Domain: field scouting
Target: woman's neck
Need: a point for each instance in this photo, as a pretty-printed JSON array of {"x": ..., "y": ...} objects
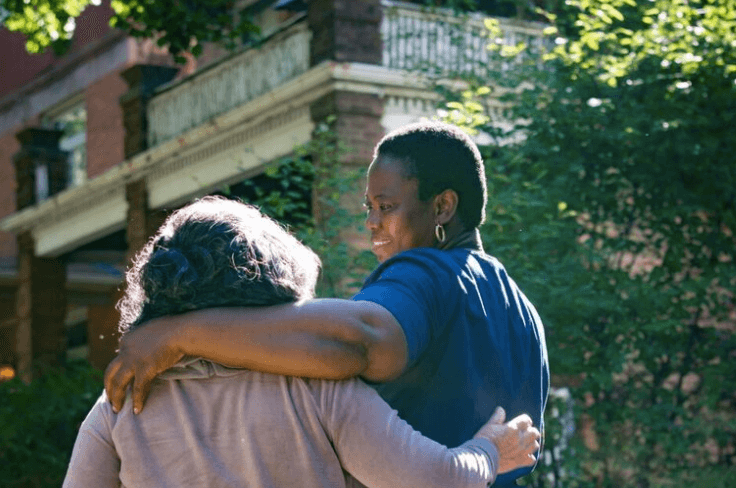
[{"x": 469, "y": 239}]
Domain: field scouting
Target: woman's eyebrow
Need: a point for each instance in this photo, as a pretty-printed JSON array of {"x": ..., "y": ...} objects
[{"x": 375, "y": 197}]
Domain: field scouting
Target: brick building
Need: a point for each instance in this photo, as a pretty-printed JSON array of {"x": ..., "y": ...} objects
[{"x": 96, "y": 145}]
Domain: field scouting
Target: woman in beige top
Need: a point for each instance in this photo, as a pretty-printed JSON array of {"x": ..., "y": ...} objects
[{"x": 209, "y": 425}]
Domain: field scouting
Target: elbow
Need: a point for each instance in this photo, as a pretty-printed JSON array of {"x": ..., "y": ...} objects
[
  {"x": 340, "y": 357},
  {"x": 380, "y": 341},
  {"x": 370, "y": 344},
  {"x": 354, "y": 361},
  {"x": 356, "y": 341}
]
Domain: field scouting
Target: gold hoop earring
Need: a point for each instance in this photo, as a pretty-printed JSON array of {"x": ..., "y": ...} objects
[{"x": 439, "y": 232}]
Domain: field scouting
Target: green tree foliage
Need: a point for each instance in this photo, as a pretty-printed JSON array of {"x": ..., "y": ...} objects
[
  {"x": 181, "y": 25},
  {"x": 614, "y": 205}
]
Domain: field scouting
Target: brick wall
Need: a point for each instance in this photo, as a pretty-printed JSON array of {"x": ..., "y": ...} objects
[
  {"x": 345, "y": 30},
  {"x": 358, "y": 123},
  {"x": 104, "y": 124}
]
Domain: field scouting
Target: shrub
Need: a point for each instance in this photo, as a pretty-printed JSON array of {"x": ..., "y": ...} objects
[{"x": 39, "y": 423}]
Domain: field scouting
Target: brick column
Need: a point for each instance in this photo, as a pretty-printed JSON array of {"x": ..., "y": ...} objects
[
  {"x": 40, "y": 307},
  {"x": 345, "y": 30},
  {"x": 143, "y": 222},
  {"x": 348, "y": 31},
  {"x": 40, "y": 339},
  {"x": 142, "y": 80},
  {"x": 357, "y": 127},
  {"x": 39, "y": 149},
  {"x": 357, "y": 122}
]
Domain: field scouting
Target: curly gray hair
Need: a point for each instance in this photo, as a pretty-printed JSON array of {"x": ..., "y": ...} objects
[{"x": 216, "y": 252}]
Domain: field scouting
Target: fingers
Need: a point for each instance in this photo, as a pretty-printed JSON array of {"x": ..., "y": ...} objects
[
  {"x": 531, "y": 447},
  {"x": 499, "y": 416},
  {"x": 141, "y": 388},
  {"x": 522, "y": 422},
  {"x": 117, "y": 379}
]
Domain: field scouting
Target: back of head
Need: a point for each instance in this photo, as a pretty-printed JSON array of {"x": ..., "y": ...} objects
[
  {"x": 441, "y": 157},
  {"x": 216, "y": 253}
]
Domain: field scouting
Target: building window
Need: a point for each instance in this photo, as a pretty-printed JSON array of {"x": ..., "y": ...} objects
[{"x": 71, "y": 118}]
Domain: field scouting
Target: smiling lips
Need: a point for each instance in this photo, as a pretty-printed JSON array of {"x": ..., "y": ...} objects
[{"x": 379, "y": 243}]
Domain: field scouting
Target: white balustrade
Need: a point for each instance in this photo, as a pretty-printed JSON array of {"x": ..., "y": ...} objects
[
  {"x": 441, "y": 43},
  {"x": 437, "y": 42},
  {"x": 228, "y": 84}
]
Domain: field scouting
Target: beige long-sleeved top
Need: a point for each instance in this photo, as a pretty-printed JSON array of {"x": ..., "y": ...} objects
[{"x": 206, "y": 425}]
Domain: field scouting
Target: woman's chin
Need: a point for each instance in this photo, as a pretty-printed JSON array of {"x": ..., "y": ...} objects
[{"x": 380, "y": 253}]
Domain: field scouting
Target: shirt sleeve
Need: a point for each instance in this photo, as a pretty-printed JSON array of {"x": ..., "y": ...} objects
[
  {"x": 381, "y": 450},
  {"x": 413, "y": 287},
  {"x": 94, "y": 461}
]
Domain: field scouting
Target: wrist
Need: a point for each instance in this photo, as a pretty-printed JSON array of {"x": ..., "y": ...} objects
[{"x": 176, "y": 337}]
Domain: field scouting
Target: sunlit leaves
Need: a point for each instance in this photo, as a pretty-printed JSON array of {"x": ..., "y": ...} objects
[
  {"x": 180, "y": 25},
  {"x": 470, "y": 111},
  {"x": 621, "y": 35},
  {"x": 44, "y": 22}
]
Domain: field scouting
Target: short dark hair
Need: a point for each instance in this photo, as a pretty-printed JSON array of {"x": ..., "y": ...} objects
[
  {"x": 216, "y": 252},
  {"x": 441, "y": 157}
]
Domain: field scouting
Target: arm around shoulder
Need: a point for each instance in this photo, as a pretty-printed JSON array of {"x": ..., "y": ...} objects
[{"x": 323, "y": 338}]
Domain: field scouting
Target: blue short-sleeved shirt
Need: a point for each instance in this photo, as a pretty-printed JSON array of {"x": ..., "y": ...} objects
[{"x": 475, "y": 342}]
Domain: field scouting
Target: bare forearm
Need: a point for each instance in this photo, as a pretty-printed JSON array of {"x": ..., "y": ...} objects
[
  {"x": 288, "y": 339},
  {"x": 330, "y": 339},
  {"x": 326, "y": 338}
]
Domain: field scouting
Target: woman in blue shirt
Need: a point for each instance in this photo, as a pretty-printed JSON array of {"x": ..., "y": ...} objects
[{"x": 439, "y": 327}]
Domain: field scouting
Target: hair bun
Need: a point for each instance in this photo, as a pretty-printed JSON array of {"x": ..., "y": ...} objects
[{"x": 169, "y": 274}]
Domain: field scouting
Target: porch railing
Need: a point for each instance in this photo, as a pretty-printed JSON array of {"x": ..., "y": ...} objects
[
  {"x": 439, "y": 42},
  {"x": 229, "y": 84}
]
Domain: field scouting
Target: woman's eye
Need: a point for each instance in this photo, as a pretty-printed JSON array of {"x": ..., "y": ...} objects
[{"x": 383, "y": 207}]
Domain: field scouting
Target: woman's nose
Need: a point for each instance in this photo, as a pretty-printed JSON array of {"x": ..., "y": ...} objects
[{"x": 371, "y": 220}]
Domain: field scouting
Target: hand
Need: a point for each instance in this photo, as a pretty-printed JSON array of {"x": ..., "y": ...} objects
[
  {"x": 517, "y": 440},
  {"x": 144, "y": 353}
]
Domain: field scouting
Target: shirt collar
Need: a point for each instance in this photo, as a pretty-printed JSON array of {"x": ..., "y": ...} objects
[{"x": 469, "y": 239}]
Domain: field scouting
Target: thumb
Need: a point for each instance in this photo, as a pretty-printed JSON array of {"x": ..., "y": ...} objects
[{"x": 499, "y": 416}]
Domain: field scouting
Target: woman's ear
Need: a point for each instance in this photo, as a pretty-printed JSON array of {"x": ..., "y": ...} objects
[{"x": 446, "y": 206}]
